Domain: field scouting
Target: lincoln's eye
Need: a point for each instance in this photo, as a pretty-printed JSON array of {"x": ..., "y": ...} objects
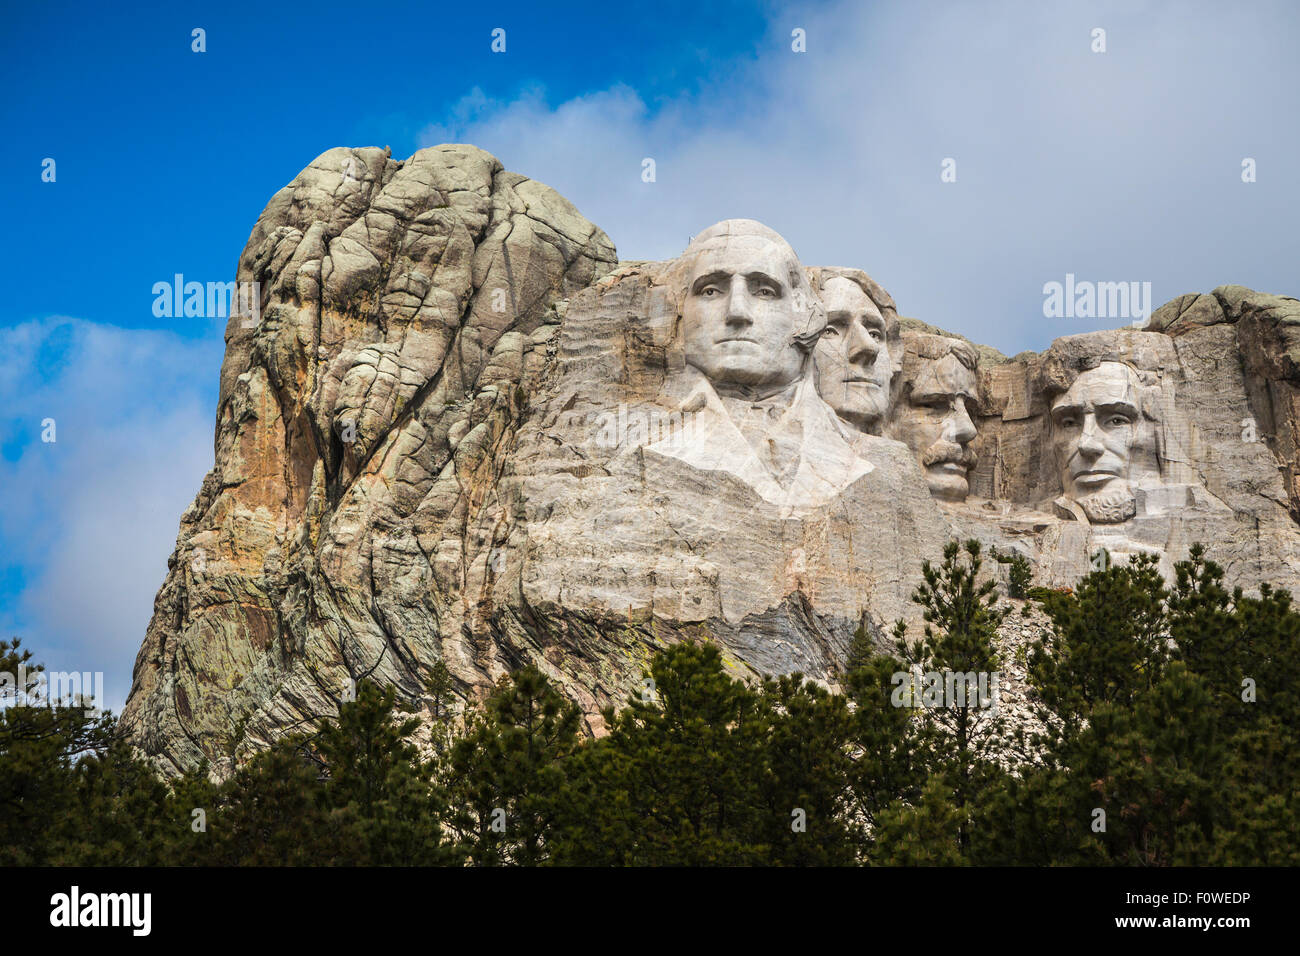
[
  {"x": 1069, "y": 421},
  {"x": 1116, "y": 421}
]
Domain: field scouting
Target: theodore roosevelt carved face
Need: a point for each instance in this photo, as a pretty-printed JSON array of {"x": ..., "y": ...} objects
[
  {"x": 934, "y": 415},
  {"x": 748, "y": 314}
]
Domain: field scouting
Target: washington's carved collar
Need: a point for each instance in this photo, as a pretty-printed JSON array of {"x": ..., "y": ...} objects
[
  {"x": 775, "y": 436},
  {"x": 787, "y": 445}
]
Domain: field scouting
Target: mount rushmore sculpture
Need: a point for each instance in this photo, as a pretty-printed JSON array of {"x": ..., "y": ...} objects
[{"x": 463, "y": 432}]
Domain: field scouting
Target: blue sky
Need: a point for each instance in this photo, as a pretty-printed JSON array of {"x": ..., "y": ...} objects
[{"x": 1115, "y": 166}]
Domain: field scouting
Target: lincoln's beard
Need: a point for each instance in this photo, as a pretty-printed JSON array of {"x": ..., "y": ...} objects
[{"x": 1110, "y": 505}]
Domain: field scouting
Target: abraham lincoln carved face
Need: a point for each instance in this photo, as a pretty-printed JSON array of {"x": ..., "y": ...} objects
[{"x": 1101, "y": 435}]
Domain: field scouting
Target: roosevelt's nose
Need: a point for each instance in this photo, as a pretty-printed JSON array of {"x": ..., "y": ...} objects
[
  {"x": 740, "y": 310},
  {"x": 862, "y": 346},
  {"x": 959, "y": 427}
]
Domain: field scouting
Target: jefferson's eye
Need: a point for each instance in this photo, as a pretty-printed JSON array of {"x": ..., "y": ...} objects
[
  {"x": 878, "y": 335},
  {"x": 767, "y": 292}
]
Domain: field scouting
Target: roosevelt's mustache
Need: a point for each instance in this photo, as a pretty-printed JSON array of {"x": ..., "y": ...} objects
[{"x": 942, "y": 452}]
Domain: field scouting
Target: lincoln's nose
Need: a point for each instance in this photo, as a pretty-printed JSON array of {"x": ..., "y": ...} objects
[{"x": 1090, "y": 445}]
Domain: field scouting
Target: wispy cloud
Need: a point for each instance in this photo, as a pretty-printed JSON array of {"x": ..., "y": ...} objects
[
  {"x": 91, "y": 517},
  {"x": 1118, "y": 166}
]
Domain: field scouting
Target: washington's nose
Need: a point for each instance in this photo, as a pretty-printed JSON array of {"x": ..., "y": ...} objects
[{"x": 739, "y": 308}]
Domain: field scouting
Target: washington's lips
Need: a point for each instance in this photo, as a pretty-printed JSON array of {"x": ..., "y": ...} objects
[{"x": 952, "y": 467}]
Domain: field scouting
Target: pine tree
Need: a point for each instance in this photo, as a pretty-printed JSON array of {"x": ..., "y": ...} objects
[
  {"x": 804, "y": 775},
  {"x": 504, "y": 775},
  {"x": 1109, "y": 641},
  {"x": 677, "y": 780},
  {"x": 271, "y": 812},
  {"x": 963, "y": 733},
  {"x": 375, "y": 778},
  {"x": 887, "y": 743},
  {"x": 1143, "y": 742},
  {"x": 41, "y": 745}
]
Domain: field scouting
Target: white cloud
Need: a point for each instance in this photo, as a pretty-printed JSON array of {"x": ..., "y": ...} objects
[
  {"x": 1117, "y": 166},
  {"x": 93, "y": 516}
]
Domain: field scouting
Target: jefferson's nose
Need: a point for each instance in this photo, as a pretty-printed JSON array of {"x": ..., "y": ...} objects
[{"x": 863, "y": 348}]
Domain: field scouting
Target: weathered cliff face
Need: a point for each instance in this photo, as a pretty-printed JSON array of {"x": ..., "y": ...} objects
[
  {"x": 362, "y": 427},
  {"x": 459, "y": 431}
]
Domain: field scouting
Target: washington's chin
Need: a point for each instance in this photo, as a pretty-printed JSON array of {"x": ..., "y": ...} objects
[
  {"x": 742, "y": 370},
  {"x": 947, "y": 481}
]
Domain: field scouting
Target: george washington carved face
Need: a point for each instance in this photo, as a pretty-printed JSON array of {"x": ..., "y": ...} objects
[{"x": 748, "y": 313}]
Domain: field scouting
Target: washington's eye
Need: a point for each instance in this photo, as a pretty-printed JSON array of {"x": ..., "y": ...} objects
[
  {"x": 767, "y": 292},
  {"x": 878, "y": 335},
  {"x": 831, "y": 330},
  {"x": 710, "y": 291}
]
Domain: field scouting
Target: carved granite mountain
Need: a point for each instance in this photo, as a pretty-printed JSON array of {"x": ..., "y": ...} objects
[{"x": 460, "y": 431}]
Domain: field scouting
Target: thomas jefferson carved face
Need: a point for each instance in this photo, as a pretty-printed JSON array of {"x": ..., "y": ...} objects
[
  {"x": 1099, "y": 433},
  {"x": 934, "y": 419},
  {"x": 853, "y": 362},
  {"x": 745, "y": 303}
]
